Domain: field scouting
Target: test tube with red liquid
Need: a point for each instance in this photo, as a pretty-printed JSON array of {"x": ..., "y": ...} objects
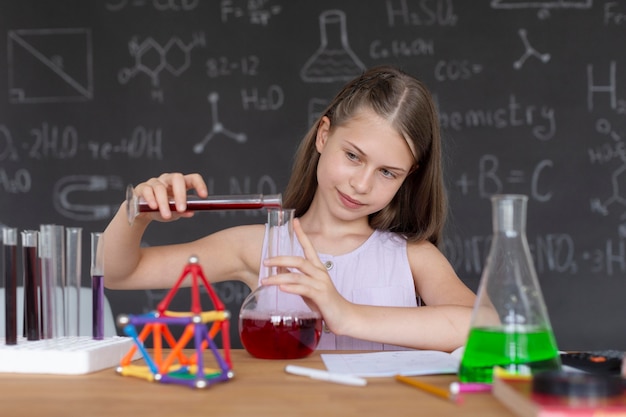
[
  {"x": 9, "y": 240},
  {"x": 32, "y": 284},
  {"x": 136, "y": 205}
]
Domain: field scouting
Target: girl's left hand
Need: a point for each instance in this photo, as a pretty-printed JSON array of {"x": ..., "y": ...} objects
[{"x": 311, "y": 280}]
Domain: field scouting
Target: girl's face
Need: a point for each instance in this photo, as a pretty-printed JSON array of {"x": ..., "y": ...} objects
[{"x": 362, "y": 164}]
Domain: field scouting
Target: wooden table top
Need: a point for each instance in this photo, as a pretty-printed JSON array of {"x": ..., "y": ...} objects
[{"x": 259, "y": 388}]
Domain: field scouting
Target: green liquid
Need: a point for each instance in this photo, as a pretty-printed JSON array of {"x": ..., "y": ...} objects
[{"x": 519, "y": 352}]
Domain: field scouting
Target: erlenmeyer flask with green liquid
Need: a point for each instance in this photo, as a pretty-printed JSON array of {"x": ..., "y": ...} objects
[{"x": 510, "y": 327}]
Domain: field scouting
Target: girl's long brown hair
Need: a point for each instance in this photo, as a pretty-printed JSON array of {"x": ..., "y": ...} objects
[{"x": 419, "y": 208}]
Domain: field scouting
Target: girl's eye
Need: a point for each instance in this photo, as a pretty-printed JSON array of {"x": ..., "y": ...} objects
[
  {"x": 352, "y": 156},
  {"x": 387, "y": 174}
]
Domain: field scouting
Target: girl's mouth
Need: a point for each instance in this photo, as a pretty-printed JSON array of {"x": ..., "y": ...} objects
[{"x": 349, "y": 202}]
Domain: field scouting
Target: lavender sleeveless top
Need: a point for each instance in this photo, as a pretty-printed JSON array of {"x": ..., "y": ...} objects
[{"x": 375, "y": 273}]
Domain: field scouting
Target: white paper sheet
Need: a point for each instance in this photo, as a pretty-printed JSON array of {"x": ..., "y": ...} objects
[{"x": 390, "y": 363}]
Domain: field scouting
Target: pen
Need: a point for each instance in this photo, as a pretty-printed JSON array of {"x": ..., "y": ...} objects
[
  {"x": 459, "y": 387},
  {"x": 326, "y": 376},
  {"x": 431, "y": 389}
]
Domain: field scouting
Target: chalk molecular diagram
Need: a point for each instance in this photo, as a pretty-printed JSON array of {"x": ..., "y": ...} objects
[
  {"x": 529, "y": 51},
  {"x": 177, "y": 367},
  {"x": 151, "y": 59},
  {"x": 617, "y": 179},
  {"x": 217, "y": 127}
]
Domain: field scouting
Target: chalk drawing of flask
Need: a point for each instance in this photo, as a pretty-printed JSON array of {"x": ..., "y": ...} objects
[{"x": 334, "y": 60}]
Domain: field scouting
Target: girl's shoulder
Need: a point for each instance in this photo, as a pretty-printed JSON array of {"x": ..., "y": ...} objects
[
  {"x": 428, "y": 261},
  {"x": 385, "y": 241},
  {"x": 423, "y": 248},
  {"x": 387, "y": 238}
]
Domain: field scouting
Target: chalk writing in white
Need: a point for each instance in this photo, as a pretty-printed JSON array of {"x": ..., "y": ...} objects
[
  {"x": 426, "y": 13},
  {"x": 334, "y": 60},
  {"x": 217, "y": 127},
  {"x": 152, "y": 59},
  {"x": 529, "y": 51},
  {"x": 73, "y": 186},
  {"x": 610, "y": 88},
  {"x": 44, "y": 52},
  {"x": 541, "y": 119}
]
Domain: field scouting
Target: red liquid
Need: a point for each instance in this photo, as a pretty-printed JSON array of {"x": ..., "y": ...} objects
[
  {"x": 201, "y": 205},
  {"x": 10, "y": 294},
  {"x": 282, "y": 338},
  {"x": 30, "y": 261},
  {"x": 97, "y": 316}
]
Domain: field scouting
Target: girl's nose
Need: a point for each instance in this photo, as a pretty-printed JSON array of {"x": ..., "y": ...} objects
[{"x": 361, "y": 182}]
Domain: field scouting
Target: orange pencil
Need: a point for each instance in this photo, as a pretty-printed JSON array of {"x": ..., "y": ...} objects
[{"x": 431, "y": 389}]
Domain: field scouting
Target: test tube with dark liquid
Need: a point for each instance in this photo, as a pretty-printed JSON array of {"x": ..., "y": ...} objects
[
  {"x": 97, "y": 285},
  {"x": 9, "y": 239},
  {"x": 32, "y": 284},
  {"x": 136, "y": 205}
]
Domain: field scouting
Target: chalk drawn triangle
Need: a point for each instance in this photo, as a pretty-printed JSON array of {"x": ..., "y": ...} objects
[{"x": 50, "y": 65}]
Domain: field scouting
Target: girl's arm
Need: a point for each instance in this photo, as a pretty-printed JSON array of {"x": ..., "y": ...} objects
[
  {"x": 229, "y": 254},
  {"x": 443, "y": 324}
]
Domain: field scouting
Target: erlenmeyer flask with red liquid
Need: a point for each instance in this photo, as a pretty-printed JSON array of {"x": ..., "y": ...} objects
[{"x": 274, "y": 324}]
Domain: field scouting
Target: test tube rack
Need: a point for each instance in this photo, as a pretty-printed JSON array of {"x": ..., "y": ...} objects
[{"x": 72, "y": 355}]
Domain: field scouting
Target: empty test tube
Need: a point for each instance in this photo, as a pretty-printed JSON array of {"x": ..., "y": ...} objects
[
  {"x": 73, "y": 264},
  {"x": 51, "y": 253}
]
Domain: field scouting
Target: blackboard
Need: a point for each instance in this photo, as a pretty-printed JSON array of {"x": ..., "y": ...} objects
[{"x": 95, "y": 95}]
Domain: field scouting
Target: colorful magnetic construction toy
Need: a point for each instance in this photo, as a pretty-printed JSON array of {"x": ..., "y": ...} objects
[{"x": 177, "y": 367}]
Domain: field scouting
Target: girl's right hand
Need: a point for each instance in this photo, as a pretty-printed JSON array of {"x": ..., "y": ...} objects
[{"x": 157, "y": 193}]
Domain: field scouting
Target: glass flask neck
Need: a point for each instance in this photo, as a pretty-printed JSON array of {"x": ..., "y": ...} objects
[
  {"x": 509, "y": 214},
  {"x": 280, "y": 235}
]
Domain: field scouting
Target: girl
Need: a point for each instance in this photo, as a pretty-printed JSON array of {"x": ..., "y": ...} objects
[{"x": 370, "y": 204}]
